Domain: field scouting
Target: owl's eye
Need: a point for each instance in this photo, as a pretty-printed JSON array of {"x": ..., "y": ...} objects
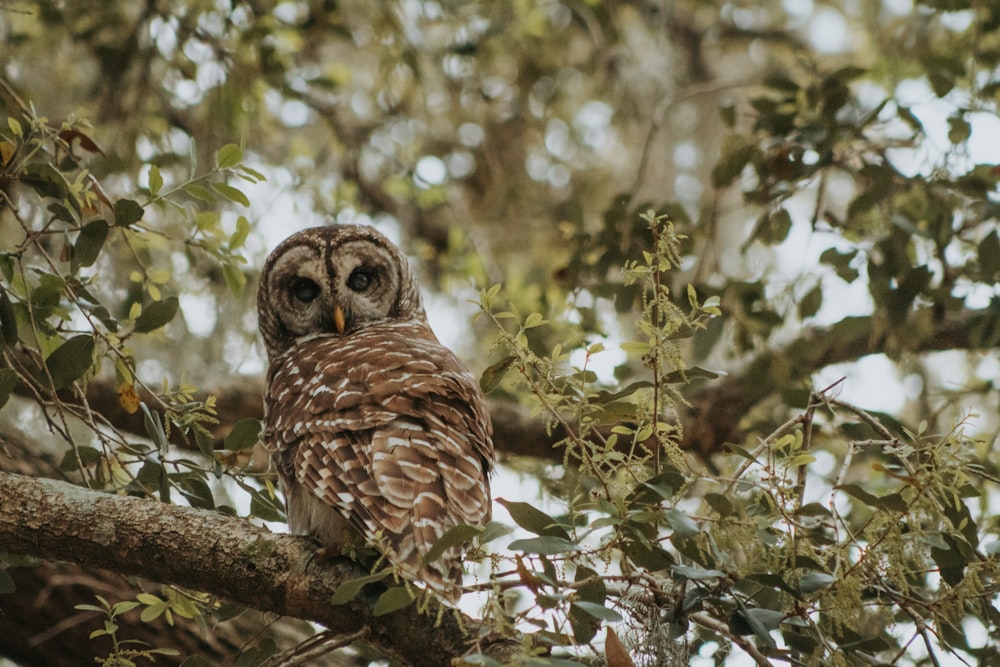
[
  {"x": 360, "y": 279},
  {"x": 304, "y": 290}
]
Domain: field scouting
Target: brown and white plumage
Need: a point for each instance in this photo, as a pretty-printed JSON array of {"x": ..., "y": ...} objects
[{"x": 375, "y": 427}]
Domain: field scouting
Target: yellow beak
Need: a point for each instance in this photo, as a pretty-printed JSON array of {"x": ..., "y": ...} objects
[{"x": 338, "y": 319}]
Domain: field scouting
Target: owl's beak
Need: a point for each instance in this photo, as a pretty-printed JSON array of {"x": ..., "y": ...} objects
[{"x": 338, "y": 319}]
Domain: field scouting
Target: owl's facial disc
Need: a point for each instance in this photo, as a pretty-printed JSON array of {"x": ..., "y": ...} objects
[
  {"x": 300, "y": 292},
  {"x": 333, "y": 280},
  {"x": 366, "y": 284}
]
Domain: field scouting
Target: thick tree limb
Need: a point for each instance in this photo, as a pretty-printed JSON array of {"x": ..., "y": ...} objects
[
  {"x": 38, "y": 626},
  {"x": 207, "y": 551}
]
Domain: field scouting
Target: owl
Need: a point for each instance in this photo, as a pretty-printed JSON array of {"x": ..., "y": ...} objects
[{"x": 377, "y": 431}]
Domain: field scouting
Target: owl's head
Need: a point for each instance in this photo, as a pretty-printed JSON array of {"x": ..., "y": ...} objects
[{"x": 335, "y": 280}]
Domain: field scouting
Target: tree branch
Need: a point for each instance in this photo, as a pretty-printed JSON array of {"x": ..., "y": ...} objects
[
  {"x": 46, "y": 633},
  {"x": 220, "y": 555},
  {"x": 715, "y": 408}
]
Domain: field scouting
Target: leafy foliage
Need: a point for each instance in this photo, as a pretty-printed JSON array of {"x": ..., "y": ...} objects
[
  {"x": 62, "y": 325},
  {"x": 689, "y": 228},
  {"x": 782, "y": 559},
  {"x": 121, "y": 652}
]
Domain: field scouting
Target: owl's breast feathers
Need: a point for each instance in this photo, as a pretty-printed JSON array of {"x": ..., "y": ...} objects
[{"x": 389, "y": 428}]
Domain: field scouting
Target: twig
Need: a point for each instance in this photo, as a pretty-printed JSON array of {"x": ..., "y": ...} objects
[
  {"x": 314, "y": 647},
  {"x": 875, "y": 424},
  {"x": 807, "y": 420},
  {"x": 706, "y": 621},
  {"x": 777, "y": 433},
  {"x": 7, "y": 88}
]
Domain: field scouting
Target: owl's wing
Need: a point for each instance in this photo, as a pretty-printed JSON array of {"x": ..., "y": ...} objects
[{"x": 389, "y": 428}]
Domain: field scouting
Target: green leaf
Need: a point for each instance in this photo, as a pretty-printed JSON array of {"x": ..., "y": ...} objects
[
  {"x": 47, "y": 294},
  {"x": 697, "y": 573},
  {"x": 454, "y": 536},
  {"x": 154, "y": 426},
  {"x": 149, "y": 474},
  {"x": 661, "y": 487},
  {"x": 773, "y": 227},
  {"x": 89, "y": 242},
  {"x": 736, "y": 153},
  {"x": 199, "y": 191},
  {"x": 653, "y": 557},
  {"x": 195, "y": 490},
  {"x": 810, "y": 303},
  {"x": 959, "y": 130},
  {"x": 203, "y": 439},
  {"x": 127, "y": 212},
  {"x": 604, "y": 397},
  {"x": 534, "y": 320},
  {"x": 228, "y": 156},
  {"x": 80, "y": 457},
  {"x": 720, "y": 503},
  {"x": 162, "y": 651},
  {"x": 532, "y": 519},
  {"x": 155, "y": 179},
  {"x": 492, "y": 531},
  {"x": 841, "y": 263},
  {"x": 251, "y": 175},
  {"x": 153, "y": 612},
  {"x": 156, "y": 315},
  {"x": 71, "y": 360},
  {"x": 547, "y": 546},
  {"x": 61, "y": 212},
  {"x": 349, "y": 590},
  {"x": 236, "y": 280},
  {"x": 816, "y": 581},
  {"x": 8, "y": 320},
  {"x": 590, "y": 591},
  {"x": 8, "y": 380},
  {"x": 264, "y": 507},
  {"x": 681, "y": 523},
  {"x": 244, "y": 434},
  {"x": 814, "y": 509},
  {"x": 758, "y": 622},
  {"x": 767, "y": 618},
  {"x": 598, "y": 611},
  {"x": 774, "y": 581},
  {"x": 234, "y": 195},
  {"x": 989, "y": 258},
  {"x": 46, "y": 181},
  {"x": 739, "y": 451},
  {"x": 394, "y": 599},
  {"x": 126, "y": 606},
  {"x": 493, "y": 375},
  {"x": 892, "y": 502},
  {"x": 239, "y": 237}
]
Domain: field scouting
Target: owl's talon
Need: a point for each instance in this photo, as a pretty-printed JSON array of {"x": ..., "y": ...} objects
[{"x": 325, "y": 555}]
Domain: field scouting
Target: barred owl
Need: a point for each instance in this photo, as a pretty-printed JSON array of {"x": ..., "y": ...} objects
[{"x": 376, "y": 429}]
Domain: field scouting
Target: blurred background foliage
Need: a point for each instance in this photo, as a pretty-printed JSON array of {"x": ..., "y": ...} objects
[{"x": 829, "y": 169}]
